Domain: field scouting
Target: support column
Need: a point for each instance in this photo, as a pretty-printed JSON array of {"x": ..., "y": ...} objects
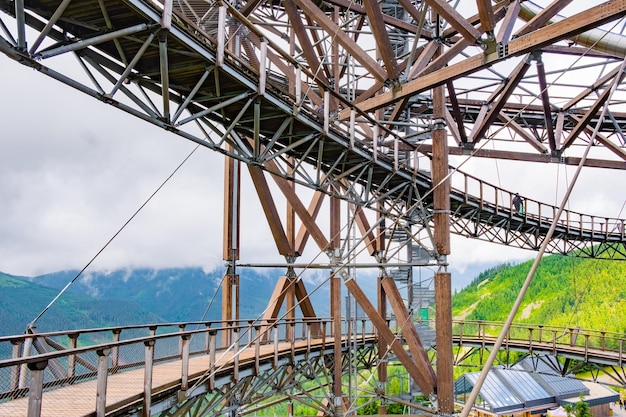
[
  {"x": 382, "y": 346},
  {"x": 230, "y": 250},
  {"x": 335, "y": 304},
  {"x": 443, "y": 294}
]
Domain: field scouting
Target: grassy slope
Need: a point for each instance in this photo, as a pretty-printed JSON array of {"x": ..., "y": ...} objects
[{"x": 565, "y": 291}]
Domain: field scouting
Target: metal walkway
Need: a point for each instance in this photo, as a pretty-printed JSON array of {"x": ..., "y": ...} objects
[
  {"x": 259, "y": 107},
  {"x": 172, "y": 368},
  {"x": 176, "y": 369}
]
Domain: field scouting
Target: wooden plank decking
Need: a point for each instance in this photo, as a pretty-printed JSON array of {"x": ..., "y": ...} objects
[{"x": 124, "y": 388}]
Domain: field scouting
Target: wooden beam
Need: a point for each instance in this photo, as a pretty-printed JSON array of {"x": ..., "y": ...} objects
[
  {"x": 454, "y": 129},
  {"x": 616, "y": 149},
  {"x": 301, "y": 211},
  {"x": 456, "y": 112},
  {"x": 455, "y": 19},
  {"x": 365, "y": 229},
  {"x": 389, "y": 338},
  {"x": 344, "y": 40},
  {"x": 595, "y": 86},
  {"x": 523, "y": 133},
  {"x": 528, "y": 157},
  {"x": 303, "y": 233},
  {"x": 269, "y": 208},
  {"x": 405, "y": 323},
  {"x": 445, "y": 357},
  {"x": 304, "y": 300},
  {"x": 569, "y": 27},
  {"x": 381, "y": 36},
  {"x": 443, "y": 59},
  {"x": 335, "y": 309},
  {"x": 591, "y": 112},
  {"x": 543, "y": 17},
  {"x": 545, "y": 100},
  {"x": 511, "y": 84},
  {"x": 335, "y": 223},
  {"x": 389, "y": 20},
  {"x": 276, "y": 300},
  {"x": 508, "y": 23},
  {"x": 423, "y": 59},
  {"x": 232, "y": 186},
  {"x": 439, "y": 172},
  {"x": 382, "y": 346},
  {"x": 305, "y": 43},
  {"x": 485, "y": 11}
]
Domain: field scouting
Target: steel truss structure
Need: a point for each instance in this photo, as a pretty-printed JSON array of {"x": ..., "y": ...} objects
[
  {"x": 361, "y": 102},
  {"x": 304, "y": 380}
]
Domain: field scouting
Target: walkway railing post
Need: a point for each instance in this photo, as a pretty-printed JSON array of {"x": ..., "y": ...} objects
[
  {"x": 308, "y": 340},
  {"x": 71, "y": 360},
  {"x": 212, "y": 345},
  {"x": 115, "y": 354},
  {"x": 101, "y": 384},
  {"x": 15, "y": 370},
  {"x": 291, "y": 327},
  {"x": 363, "y": 330},
  {"x": 257, "y": 349},
  {"x": 35, "y": 389},
  {"x": 236, "y": 354},
  {"x": 207, "y": 338},
  {"x": 221, "y": 35},
  {"x": 147, "y": 379},
  {"x": 26, "y": 352},
  {"x": 602, "y": 340},
  {"x": 275, "y": 329},
  {"x": 184, "y": 377},
  {"x": 181, "y": 328}
]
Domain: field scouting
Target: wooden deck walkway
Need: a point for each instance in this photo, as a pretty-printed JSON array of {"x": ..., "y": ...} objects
[{"x": 125, "y": 389}]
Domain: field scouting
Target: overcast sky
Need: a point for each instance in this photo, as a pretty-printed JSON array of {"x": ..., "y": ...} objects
[{"x": 74, "y": 170}]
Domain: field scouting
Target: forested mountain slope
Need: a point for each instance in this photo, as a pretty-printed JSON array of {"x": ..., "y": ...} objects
[
  {"x": 565, "y": 291},
  {"x": 22, "y": 301}
]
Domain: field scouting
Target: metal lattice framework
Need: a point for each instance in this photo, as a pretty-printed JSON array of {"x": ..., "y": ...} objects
[{"x": 362, "y": 102}]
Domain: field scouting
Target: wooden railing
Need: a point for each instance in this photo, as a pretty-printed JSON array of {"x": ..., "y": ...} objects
[
  {"x": 38, "y": 362},
  {"x": 490, "y": 198},
  {"x": 584, "y": 344}
]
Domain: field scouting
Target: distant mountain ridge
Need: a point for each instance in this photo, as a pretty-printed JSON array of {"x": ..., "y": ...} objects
[
  {"x": 131, "y": 296},
  {"x": 21, "y": 301},
  {"x": 565, "y": 292}
]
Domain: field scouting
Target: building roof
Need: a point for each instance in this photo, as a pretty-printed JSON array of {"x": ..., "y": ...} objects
[{"x": 520, "y": 387}]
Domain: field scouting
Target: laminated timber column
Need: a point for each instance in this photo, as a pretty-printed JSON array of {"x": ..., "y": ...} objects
[
  {"x": 382, "y": 346},
  {"x": 382, "y": 310},
  {"x": 443, "y": 287},
  {"x": 335, "y": 304},
  {"x": 291, "y": 276},
  {"x": 230, "y": 250}
]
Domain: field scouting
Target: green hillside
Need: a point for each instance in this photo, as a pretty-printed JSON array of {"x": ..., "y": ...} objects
[{"x": 565, "y": 291}]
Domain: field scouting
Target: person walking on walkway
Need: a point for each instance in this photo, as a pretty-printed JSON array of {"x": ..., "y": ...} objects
[{"x": 518, "y": 204}]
